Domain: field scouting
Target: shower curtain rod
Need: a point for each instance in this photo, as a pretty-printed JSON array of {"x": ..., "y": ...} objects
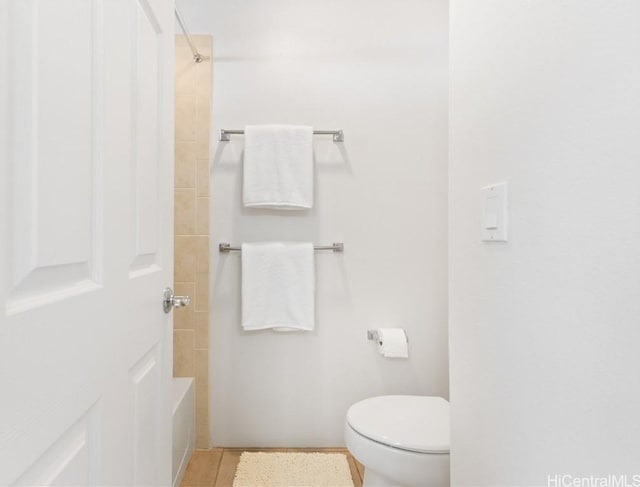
[{"x": 197, "y": 57}]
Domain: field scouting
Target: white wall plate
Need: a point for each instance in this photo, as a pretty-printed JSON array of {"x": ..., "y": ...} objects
[{"x": 494, "y": 213}]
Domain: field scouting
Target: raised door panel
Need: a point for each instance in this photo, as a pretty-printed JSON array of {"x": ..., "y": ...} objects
[
  {"x": 147, "y": 90},
  {"x": 73, "y": 460},
  {"x": 55, "y": 153}
]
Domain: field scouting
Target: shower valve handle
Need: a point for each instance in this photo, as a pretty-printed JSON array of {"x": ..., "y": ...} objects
[{"x": 169, "y": 300}]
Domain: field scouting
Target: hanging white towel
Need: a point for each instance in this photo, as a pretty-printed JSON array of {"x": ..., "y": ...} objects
[
  {"x": 278, "y": 167},
  {"x": 278, "y": 286}
]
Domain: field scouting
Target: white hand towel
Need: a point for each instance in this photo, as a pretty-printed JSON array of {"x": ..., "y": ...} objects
[
  {"x": 278, "y": 167},
  {"x": 278, "y": 286}
]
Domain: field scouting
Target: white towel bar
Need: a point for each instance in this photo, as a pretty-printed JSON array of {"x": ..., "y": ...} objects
[
  {"x": 338, "y": 135},
  {"x": 336, "y": 247}
]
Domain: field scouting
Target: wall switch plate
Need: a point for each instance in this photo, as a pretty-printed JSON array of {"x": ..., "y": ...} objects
[{"x": 494, "y": 213}]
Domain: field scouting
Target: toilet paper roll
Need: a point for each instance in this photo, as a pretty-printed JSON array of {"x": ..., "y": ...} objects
[{"x": 392, "y": 343}]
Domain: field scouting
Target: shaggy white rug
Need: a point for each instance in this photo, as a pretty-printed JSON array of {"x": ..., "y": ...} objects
[{"x": 292, "y": 469}]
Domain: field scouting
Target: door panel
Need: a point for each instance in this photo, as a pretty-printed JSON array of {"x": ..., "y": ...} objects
[
  {"x": 72, "y": 461},
  {"x": 51, "y": 254},
  {"x": 147, "y": 89},
  {"x": 86, "y": 168}
]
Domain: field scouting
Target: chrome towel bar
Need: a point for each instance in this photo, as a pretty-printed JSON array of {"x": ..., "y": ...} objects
[
  {"x": 336, "y": 247},
  {"x": 338, "y": 135}
]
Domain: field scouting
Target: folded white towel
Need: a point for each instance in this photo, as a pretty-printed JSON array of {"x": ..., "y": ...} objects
[
  {"x": 278, "y": 286},
  {"x": 278, "y": 167}
]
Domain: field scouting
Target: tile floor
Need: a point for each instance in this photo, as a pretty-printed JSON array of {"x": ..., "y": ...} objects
[{"x": 216, "y": 467}]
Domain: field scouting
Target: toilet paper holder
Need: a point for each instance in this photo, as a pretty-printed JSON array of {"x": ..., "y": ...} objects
[{"x": 373, "y": 335}]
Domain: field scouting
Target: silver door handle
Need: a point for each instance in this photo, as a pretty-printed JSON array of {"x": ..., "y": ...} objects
[{"x": 169, "y": 300}]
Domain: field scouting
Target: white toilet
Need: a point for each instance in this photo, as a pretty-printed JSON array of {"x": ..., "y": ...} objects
[{"x": 400, "y": 440}]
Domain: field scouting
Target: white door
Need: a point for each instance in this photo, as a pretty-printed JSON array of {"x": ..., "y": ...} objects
[{"x": 86, "y": 163}]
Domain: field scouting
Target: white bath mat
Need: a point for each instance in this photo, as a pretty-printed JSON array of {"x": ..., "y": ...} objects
[{"x": 292, "y": 469}]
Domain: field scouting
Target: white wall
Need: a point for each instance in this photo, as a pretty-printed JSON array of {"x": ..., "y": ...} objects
[
  {"x": 378, "y": 70},
  {"x": 545, "y": 329}
]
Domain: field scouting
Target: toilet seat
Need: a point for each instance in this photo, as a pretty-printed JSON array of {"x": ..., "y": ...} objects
[{"x": 414, "y": 423}]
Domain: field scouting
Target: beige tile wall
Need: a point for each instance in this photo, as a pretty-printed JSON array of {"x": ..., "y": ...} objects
[{"x": 191, "y": 324}]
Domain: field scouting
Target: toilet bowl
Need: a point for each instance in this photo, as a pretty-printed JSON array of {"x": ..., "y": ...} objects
[{"x": 400, "y": 440}]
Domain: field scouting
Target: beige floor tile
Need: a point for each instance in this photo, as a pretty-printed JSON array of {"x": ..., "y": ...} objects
[
  {"x": 355, "y": 474},
  {"x": 360, "y": 468},
  {"x": 202, "y": 469},
  {"x": 228, "y": 464}
]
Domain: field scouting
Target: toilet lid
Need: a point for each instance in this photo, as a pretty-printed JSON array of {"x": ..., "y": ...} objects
[{"x": 414, "y": 423}]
